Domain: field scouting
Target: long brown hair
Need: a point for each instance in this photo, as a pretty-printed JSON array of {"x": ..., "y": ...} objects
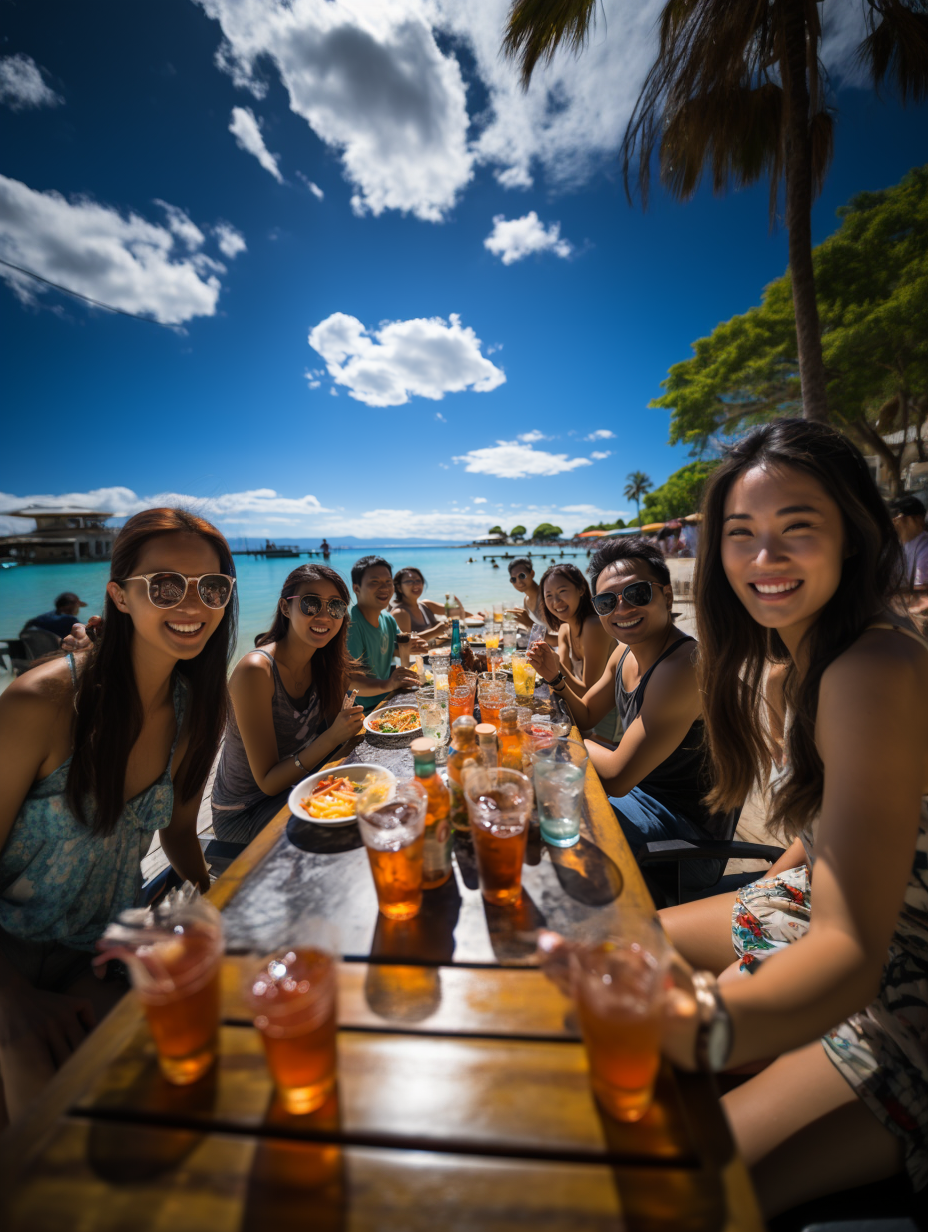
[
  {"x": 109, "y": 710},
  {"x": 734, "y": 650},
  {"x": 331, "y": 663},
  {"x": 406, "y": 575},
  {"x": 585, "y": 608}
]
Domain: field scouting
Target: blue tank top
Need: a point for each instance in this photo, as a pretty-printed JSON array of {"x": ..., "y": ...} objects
[{"x": 59, "y": 881}]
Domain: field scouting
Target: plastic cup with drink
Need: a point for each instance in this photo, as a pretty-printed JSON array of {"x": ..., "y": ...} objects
[
  {"x": 499, "y": 803},
  {"x": 393, "y": 831},
  {"x": 559, "y": 778}
]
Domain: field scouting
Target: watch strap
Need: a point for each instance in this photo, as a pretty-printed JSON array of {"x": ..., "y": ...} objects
[{"x": 713, "y": 1031}]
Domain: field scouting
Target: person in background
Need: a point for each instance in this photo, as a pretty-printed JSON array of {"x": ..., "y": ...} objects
[
  {"x": 417, "y": 615},
  {"x": 98, "y": 750},
  {"x": 908, "y": 514},
  {"x": 821, "y": 963},
  {"x": 373, "y": 634},
  {"x": 65, "y": 616},
  {"x": 288, "y": 714},
  {"x": 656, "y": 777},
  {"x": 583, "y": 645},
  {"x": 522, "y": 577}
]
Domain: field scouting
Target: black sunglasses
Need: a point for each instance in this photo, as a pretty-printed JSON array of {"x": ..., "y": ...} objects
[
  {"x": 311, "y": 605},
  {"x": 636, "y": 594},
  {"x": 517, "y": 577}
]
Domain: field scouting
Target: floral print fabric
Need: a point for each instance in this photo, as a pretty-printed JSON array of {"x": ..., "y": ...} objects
[
  {"x": 882, "y": 1051},
  {"x": 60, "y": 882}
]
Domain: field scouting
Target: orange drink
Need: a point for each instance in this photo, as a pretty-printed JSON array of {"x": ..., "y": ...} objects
[
  {"x": 460, "y": 702},
  {"x": 617, "y": 987},
  {"x": 499, "y": 802},
  {"x": 394, "y": 835},
  {"x": 292, "y": 996},
  {"x": 492, "y": 700},
  {"x": 523, "y": 676}
]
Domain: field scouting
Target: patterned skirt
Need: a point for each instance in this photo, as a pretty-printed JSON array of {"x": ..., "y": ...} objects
[{"x": 882, "y": 1051}]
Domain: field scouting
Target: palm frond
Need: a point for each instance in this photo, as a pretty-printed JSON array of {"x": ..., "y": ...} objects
[
  {"x": 536, "y": 28},
  {"x": 896, "y": 49}
]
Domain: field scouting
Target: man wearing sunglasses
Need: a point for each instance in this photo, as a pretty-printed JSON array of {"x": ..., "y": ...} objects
[
  {"x": 655, "y": 778},
  {"x": 373, "y": 633}
]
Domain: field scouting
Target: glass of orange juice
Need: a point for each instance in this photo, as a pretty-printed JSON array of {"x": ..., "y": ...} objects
[
  {"x": 523, "y": 676},
  {"x": 617, "y": 987}
]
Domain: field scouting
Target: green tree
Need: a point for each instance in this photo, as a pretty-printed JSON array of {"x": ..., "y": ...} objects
[
  {"x": 496, "y": 530},
  {"x": 872, "y": 276},
  {"x": 544, "y": 530},
  {"x": 681, "y": 494},
  {"x": 517, "y": 532},
  {"x": 638, "y": 484},
  {"x": 618, "y": 524},
  {"x": 738, "y": 90}
]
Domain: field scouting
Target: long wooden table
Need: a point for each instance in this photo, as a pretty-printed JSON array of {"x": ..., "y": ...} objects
[{"x": 462, "y": 1098}]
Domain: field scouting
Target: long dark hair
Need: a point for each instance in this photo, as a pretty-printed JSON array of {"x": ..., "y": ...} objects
[
  {"x": 109, "y": 710},
  {"x": 585, "y": 608},
  {"x": 331, "y": 662},
  {"x": 406, "y": 575},
  {"x": 734, "y": 650}
]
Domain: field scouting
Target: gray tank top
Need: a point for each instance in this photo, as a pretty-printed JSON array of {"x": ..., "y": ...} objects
[
  {"x": 420, "y": 618},
  {"x": 296, "y": 723}
]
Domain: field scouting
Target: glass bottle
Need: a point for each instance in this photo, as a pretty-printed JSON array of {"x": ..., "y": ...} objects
[
  {"x": 463, "y": 748},
  {"x": 456, "y": 666},
  {"x": 510, "y": 739},
  {"x": 486, "y": 743},
  {"x": 439, "y": 837},
  {"x": 447, "y": 605}
]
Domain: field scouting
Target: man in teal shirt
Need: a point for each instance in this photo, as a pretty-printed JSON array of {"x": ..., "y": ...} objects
[{"x": 373, "y": 633}]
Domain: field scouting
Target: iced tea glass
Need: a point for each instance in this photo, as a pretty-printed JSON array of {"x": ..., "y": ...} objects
[
  {"x": 499, "y": 803},
  {"x": 393, "y": 831},
  {"x": 492, "y": 699},
  {"x": 176, "y": 976},
  {"x": 523, "y": 676},
  {"x": 460, "y": 702},
  {"x": 292, "y": 995},
  {"x": 617, "y": 987}
]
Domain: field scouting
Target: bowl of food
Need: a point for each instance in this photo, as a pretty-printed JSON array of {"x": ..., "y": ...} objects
[
  {"x": 328, "y": 797},
  {"x": 394, "y": 725}
]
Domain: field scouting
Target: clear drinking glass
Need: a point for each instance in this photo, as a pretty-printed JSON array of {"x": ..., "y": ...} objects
[
  {"x": 499, "y": 803},
  {"x": 433, "y": 716},
  {"x": 393, "y": 831},
  {"x": 440, "y": 661},
  {"x": 560, "y": 778},
  {"x": 617, "y": 987},
  {"x": 498, "y": 609},
  {"x": 523, "y": 676}
]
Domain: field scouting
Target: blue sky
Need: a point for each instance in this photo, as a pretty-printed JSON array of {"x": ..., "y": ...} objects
[{"x": 142, "y": 171}]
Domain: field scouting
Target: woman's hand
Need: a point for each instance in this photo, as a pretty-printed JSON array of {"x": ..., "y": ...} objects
[
  {"x": 521, "y": 615},
  {"x": 543, "y": 659},
  {"x": 347, "y": 723},
  {"x": 60, "y": 1023},
  {"x": 82, "y": 637}
]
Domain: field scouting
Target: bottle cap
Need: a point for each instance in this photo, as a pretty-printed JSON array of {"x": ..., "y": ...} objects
[
  {"x": 422, "y": 745},
  {"x": 466, "y": 722},
  {"x": 485, "y": 729}
]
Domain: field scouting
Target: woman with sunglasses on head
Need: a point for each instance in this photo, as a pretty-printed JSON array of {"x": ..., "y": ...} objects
[
  {"x": 655, "y": 777},
  {"x": 98, "y": 750},
  {"x": 288, "y": 704},
  {"x": 799, "y": 566}
]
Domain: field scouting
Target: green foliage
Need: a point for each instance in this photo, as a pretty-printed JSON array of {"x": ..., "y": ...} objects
[
  {"x": 872, "y": 280},
  {"x": 680, "y": 495},
  {"x": 517, "y": 532},
  {"x": 617, "y": 525},
  {"x": 546, "y": 531},
  {"x": 638, "y": 484},
  {"x": 496, "y": 530}
]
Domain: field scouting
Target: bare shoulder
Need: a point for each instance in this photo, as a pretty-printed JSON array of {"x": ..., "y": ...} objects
[
  {"x": 40, "y": 695},
  {"x": 251, "y": 670},
  {"x": 677, "y": 673},
  {"x": 882, "y": 667}
]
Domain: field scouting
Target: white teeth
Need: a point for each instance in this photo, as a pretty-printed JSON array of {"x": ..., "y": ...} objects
[
  {"x": 778, "y": 589},
  {"x": 626, "y": 624},
  {"x": 185, "y": 628},
  {"x": 320, "y": 632}
]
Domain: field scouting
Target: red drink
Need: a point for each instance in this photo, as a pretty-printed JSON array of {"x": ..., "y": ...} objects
[
  {"x": 293, "y": 999},
  {"x": 182, "y": 1006}
]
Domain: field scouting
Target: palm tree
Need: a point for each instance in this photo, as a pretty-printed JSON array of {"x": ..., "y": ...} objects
[
  {"x": 738, "y": 89},
  {"x": 638, "y": 485}
]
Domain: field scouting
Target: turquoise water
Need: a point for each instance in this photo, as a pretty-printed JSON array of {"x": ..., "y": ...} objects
[{"x": 28, "y": 590}]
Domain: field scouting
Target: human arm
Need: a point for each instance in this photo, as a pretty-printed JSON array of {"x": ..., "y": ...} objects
[
  {"x": 179, "y": 839},
  {"x": 872, "y": 735},
  {"x": 252, "y": 689},
  {"x": 594, "y": 704}
]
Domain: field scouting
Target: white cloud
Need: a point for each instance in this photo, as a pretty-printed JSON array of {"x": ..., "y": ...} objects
[
  {"x": 231, "y": 242},
  {"x": 427, "y": 357},
  {"x": 601, "y": 434},
  {"x": 313, "y": 188},
  {"x": 531, "y": 437},
  {"x": 370, "y": 80},
  {"x": 246, "y": 129},
  {"x": 512, "y": 460},
  {"x": 21, "y": 84},
  {"x": 599, "y": 454},
  {"x": 593, "y": 511},
  {"x": 520, "y": 237},
  {"x": 126, "y": 262},
  {"x": 480, "y": 500},
  {"x": 439, "y": 416}
]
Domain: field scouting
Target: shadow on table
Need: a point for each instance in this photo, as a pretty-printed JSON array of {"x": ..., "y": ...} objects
[
  {"x": 513, "y": 929},
  {"x": 587, "y": 874},
  {"x": 323, "y": 839}
]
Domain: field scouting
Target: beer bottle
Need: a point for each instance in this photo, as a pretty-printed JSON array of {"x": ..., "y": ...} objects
[
  {"x": 463, "y": 748},
  {"x": 510, "y": 739},
  {"x": 439, "y": 837},
  {"x": 456, "y": 667},
  {"x": 486, "y": 743}
]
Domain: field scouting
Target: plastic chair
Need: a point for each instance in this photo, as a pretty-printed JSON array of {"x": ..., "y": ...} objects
[{"x": 33, "y": 643}]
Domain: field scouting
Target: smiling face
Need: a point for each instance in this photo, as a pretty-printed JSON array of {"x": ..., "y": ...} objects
[
  {"x": 521, "y": 578},
  {"x": 411, "y": 589},
  {"x": 562, "y": 597},
  {"x": 628, "y": 624},
  {"x": 181, "y": 632},
  {"x": 318, "y": 629},
  {"x": 375, "y": 588},
  {"x": 783, "y": 546}
]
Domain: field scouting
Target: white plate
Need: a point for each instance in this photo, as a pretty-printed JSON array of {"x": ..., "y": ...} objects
[
  {"x": 357, "y": 772},
  {"x": 382, "y": 714},
  {"x": 474, "y": 621}
]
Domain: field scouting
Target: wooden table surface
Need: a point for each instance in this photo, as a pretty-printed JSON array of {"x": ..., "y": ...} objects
[{"x": 462, "y": 1098}]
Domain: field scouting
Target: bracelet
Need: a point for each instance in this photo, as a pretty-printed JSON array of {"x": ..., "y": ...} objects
[
  {"x": 558, "y": 679},
  {"x": 713, "y": 1033},
  {"x": 297, "y": 762}
]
